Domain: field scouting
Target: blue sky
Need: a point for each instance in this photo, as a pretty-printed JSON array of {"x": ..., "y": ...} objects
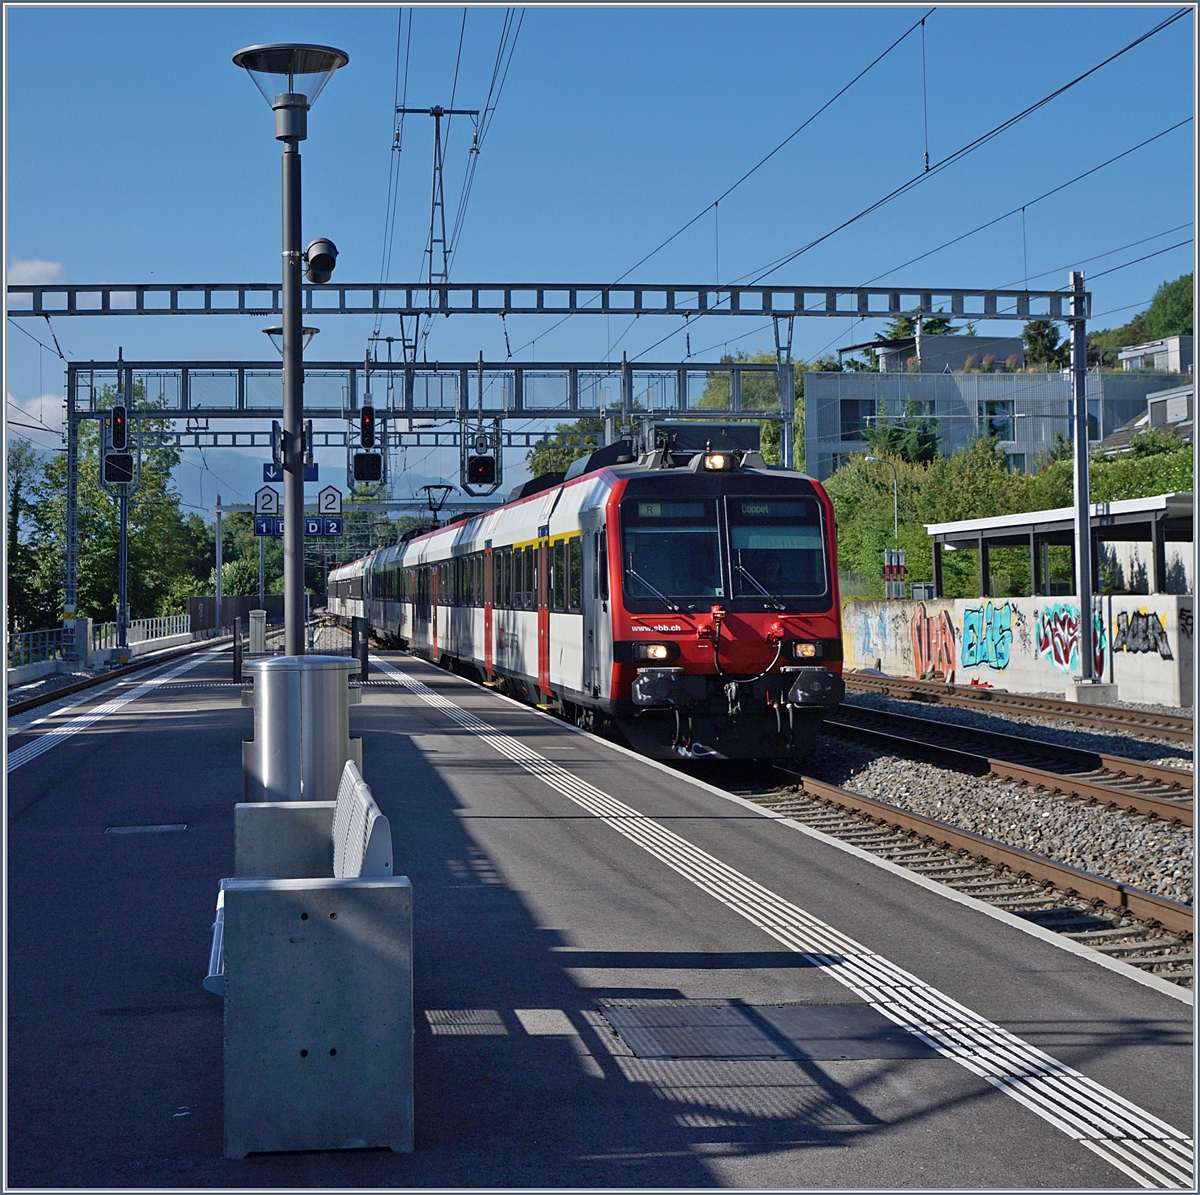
[{"x": 137, "y": 152}]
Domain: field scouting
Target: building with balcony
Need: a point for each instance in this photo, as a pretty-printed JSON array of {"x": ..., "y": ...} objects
[{"x": 1023, "y": 410}]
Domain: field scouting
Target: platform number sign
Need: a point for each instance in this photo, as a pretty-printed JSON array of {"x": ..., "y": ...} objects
[
  {"x": 329, "y": 501},
  {"x": 266, "y": 501}
]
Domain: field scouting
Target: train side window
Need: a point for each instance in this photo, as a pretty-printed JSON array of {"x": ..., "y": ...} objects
[
  {"x": 602, "y": 563},
  {"x": 558, "y": 574},
  {"x": 574, "y": 566},
  {"x": 535, "y": 592},
  {"x": 506, "y": 577}
]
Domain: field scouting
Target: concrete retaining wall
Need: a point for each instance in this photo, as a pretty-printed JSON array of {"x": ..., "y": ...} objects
[
  {"x": 22, "y": 674},
  {"x": 105, "y": 654},
  {"x": 1029, "y": 645}
]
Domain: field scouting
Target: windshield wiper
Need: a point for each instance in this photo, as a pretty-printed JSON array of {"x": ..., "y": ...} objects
[
  {"x": 630, "y": 571},
  {"x": 775, "y": 601}
]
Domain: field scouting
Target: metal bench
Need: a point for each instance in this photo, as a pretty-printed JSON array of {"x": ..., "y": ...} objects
[{"x": 312, "y": 952}]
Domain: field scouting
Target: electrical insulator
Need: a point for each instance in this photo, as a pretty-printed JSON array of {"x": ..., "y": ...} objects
[
  {"x": 367, "y": 428},
  {"x": 119, "y": 427}
]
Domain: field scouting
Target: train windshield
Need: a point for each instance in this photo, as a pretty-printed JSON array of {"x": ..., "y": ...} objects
[
  {"x": 777, "y": 548},
  {"x": 672, "y": 552}
]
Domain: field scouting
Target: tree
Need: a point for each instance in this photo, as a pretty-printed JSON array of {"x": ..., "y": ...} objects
[
  {"x": 904, "y": 327},
  {"x": 1042, "y": 346},
  {"x": 32, "y": 603},
  {"x": 162, "y": 548},
  {"x": 1170, "y": 312},
  {"x": 913, "y": 437},
  {"x": 760, "y": 392},
  {"x": 582, "y": 437}
]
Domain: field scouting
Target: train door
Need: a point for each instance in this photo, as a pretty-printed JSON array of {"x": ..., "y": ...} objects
[
  {"x": 542, "y": 596},
  {"x": 597, "y": 622},
  {"x": 488, "y": 575},
  {"x": 433, "y": 612}
]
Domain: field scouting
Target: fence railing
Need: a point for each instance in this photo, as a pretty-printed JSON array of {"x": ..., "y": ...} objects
[
  {"x": 31, "y": 647},
  {"x": 141, "y": 629}
]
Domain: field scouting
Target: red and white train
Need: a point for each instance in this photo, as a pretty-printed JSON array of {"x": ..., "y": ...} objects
[{"x": 687, "y": 595}]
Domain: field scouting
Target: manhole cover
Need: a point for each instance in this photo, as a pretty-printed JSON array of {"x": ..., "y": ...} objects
[{"x": 820, "y": 1032}]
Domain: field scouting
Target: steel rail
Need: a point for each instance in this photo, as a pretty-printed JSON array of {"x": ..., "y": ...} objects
[
  {"x": 1069, "y": 785},
  {"x": 1118, "y": 764},
  {"x": 1145, "y": 906},
  {"x": 1175, "y": 727}
]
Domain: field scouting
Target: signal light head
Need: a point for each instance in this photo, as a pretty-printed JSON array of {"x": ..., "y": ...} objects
[
  {"x": 481, "y": 470},
  {"x": 367, "y": 427},
  {"x": 119, "y": 427},
  {"x": 368, "y": 466}
]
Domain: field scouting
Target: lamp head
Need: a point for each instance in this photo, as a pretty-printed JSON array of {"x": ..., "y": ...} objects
[
  {"x": 276, "y": 335},
  {"x": 290, "y": 77}
]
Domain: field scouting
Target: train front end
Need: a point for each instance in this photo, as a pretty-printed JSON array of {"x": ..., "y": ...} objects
[{"x": 726, "y": 621}]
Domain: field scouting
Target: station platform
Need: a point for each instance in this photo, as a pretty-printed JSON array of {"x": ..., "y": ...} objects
[{"x": 599, "y": 943}]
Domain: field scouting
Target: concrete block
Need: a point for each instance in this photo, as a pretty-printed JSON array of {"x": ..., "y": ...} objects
[
  {"x": 318, "y": 1015},
  {"x": 283, "y": 838},
  {"x": 1092, "y": 692}
]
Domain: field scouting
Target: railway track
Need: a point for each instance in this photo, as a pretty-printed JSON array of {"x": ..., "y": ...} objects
[
  {"x": 114, "y": 674},
  {"x": 1155, "y": 790},
  {"x": 1176, "y": 728},
  {"x": 1115, "y": 919}
]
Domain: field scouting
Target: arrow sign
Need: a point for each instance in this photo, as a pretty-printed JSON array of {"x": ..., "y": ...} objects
[
  {"x": 266, "y": 501},
  {"x": 275, "y": 472},
  {"x": 329, "y": 501}
]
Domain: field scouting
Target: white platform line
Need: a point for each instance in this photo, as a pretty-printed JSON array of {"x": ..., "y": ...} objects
[
  {"x": 56, "y": 737},
  {"x": 1079, "y": 1107}
]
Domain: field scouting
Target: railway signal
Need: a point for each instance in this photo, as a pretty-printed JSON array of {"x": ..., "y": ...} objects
[
  {"x": 366, "y": 434},
  {"x": 119, "y": 428},
  {"x": 481, "y": 470},
  {"x": 118, "y": 468}
]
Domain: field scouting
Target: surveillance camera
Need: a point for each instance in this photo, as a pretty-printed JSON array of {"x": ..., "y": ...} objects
[{"x": 320, "y": 258}]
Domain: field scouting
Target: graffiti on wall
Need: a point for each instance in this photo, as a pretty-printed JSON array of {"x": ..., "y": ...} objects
[
  {"x": 870, "y": 633},
  {"x": 1142, "y": 632},
  {"x": 1185, "y": 622},
  {"x": 1057, "y": 638},
  {"x": 932, "y": 643},
  {"x": 987, "y": 636}
]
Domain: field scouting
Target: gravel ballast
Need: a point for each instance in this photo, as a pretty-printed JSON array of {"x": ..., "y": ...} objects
[{"x": 1146, "y": 852}]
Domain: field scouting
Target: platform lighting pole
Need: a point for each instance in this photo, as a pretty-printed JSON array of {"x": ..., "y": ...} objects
[
  {"x": 1083, "y": 520},
  {"x": 290, "y": 78},
  {"x": 219, "y": 549}
]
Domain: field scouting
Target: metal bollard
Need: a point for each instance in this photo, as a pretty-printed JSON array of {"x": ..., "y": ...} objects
[
  {"x": 360, "y": 645},
  {"x": 258, "y": 632},
  {"x": 237, "y": 651},
  {"x": 301, "y": 728}
]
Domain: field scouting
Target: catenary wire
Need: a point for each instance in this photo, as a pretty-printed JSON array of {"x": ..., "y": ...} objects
[
  {"x": 963, "y": 150},
  {"x": 748, "y": 173},
  {"x": 989, "y": 223},
  {"x": 1030, "y": 203}
]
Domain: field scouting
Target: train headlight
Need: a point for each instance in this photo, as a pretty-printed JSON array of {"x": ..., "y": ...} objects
[
  {"x": 652, "y": 651},
  {"x": 806, "y": 651},
  {"x": 718, "y": 460}
]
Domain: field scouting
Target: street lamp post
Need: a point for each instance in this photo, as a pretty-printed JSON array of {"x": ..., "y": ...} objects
[
  {"x": 876, "y": 460},
  {"x": 290, "y": 78}
]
